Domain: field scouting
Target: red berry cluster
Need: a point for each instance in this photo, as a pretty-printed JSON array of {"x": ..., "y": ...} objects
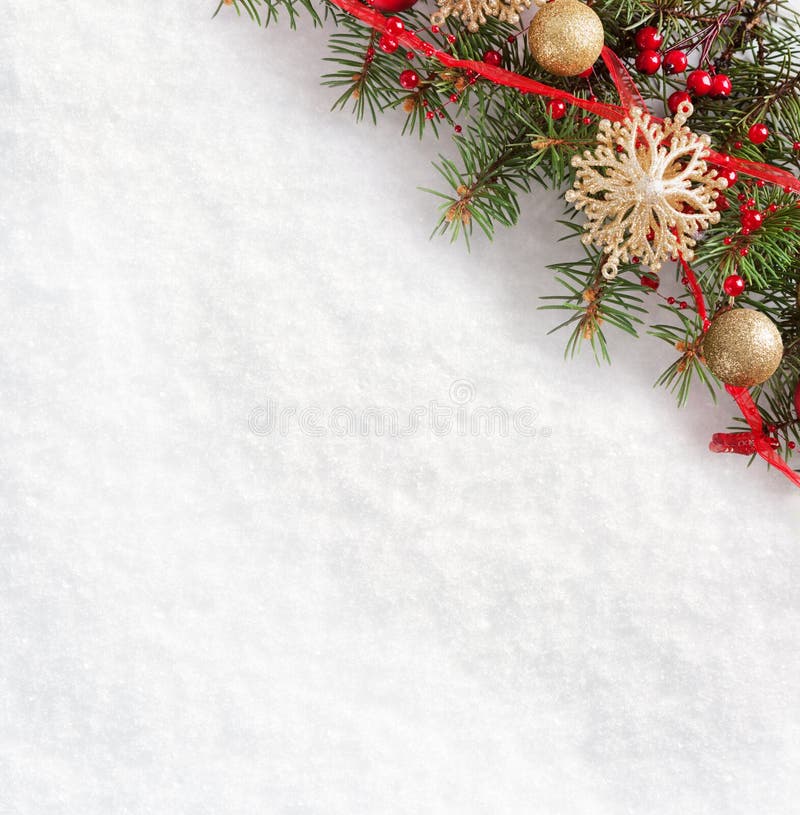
[
  {"x": 649, "y": 41},
  {"x": 699, "y": 82}
]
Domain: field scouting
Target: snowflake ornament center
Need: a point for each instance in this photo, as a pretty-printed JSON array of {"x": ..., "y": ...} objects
[
  {"x": 651, "y": 189},
  {"x": 646, "y": 190}
]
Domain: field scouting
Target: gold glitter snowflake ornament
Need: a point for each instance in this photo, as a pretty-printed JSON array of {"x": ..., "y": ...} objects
[
  {"x": 474, "y": 13},
  {"x": 646, "y": 190}
]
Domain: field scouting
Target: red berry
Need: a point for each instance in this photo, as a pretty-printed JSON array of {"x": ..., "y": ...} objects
[
  {"x": 435, "y": 29},
  {"x": 649, "y": 282},
  {"x": 675, "y": 99},
  {"x": 733, "y": 285},
  {"x": 511, "y": 38},
  {"x": 387, "y": 44},
  {"x": 721, "y": 204},
  {"x": 721, "y": 86},
  {"x": 675, "y": 62},
  {"x": 556, "y": 109},
  {"x": 737, "y": 145},
  {"x": 773, "y": 207},
  {"x": 751, "y": 220},
  {"x": 796, "y": 146},
  {"x": 587, "y": 120},
  {"x": 671, "y": 300},
  {"x": 451, "y": 38},
  {"x": 649, "y": 39},
  {"x": 758, "y": 133},
  {"x": 394, "y": 26},
  {"x": 409, "y": 79},
  {"x": 727, "y": 240},
  {"x": 699, "y": 83},
  {"x": 430, "y": 114},
  {"x": 457, "y": 128},
  {"x": 743, "y": 251},
  {"x": 729, "y": 174},
  {"x": 648, "y": 61},
  {"x": 493, "y": 58}
]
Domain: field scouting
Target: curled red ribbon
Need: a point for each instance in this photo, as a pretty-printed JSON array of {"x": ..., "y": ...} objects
[
  {"x": 761, "y": 442},
  {"x": 742, "y": 443}
]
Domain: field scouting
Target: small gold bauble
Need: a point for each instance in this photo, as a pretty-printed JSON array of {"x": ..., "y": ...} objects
[
  {"x": 566, "y": 37},
  {"x": 743, "y": 347}
]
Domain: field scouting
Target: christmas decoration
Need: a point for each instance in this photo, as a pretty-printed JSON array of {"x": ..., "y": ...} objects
[
  {"x": 721, "y": 86},
  {"x": 474, "y": 13},
  {"x": 742, "y": 347},
  {"x": 388, "y": 44},
  {"x": 676, "y": 99},
  {"x": 699, "y": 83},
  {"x": 734, "y": 285},
  {"x": 648, "y": 62},
  {"x": 675, "y": 62},
  {"x": 409, "y": 79},
  {"x": 645, "y": 190},
  {"x": 649, "y": 39},
  {"x": 565, "y": 37},
  {"x": 557, "y": 109},
  {"x": 758, "y": 133},
  {"x": 723, "y": 204}
]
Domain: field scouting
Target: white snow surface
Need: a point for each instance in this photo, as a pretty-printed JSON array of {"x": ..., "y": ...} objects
[{"x": 200, "y": 616}]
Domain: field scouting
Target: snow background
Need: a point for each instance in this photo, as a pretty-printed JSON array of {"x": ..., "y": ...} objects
[{"x": 195, "y": 618}]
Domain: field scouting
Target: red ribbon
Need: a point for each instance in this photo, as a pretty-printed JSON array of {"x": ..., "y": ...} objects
[
  {"x": 742, "y": 443},
  {"x": 697, "y": 292}
]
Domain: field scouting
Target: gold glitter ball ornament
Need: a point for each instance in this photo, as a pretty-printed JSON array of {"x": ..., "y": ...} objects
[
  {"x": 566, "y": 37},
  {"x": 742, "y": 347}
]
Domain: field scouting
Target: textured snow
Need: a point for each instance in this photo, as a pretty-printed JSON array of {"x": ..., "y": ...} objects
[{"x": 199, "y": 616}]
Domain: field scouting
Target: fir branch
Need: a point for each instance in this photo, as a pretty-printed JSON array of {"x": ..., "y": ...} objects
[{"x": 265, "y": 12}]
